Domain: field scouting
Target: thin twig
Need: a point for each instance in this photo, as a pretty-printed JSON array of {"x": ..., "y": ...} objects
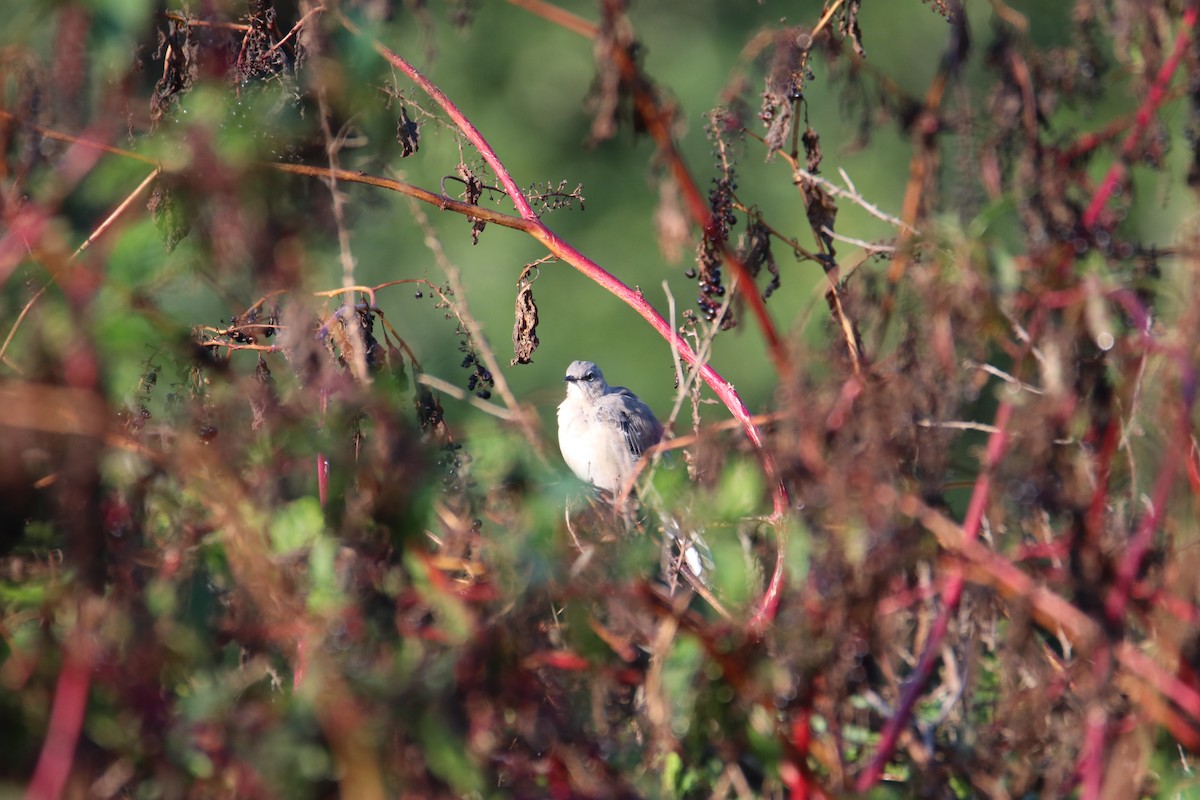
[
  {"x": 121, "y": 208},
  {"x": 240, "y": 27},
  {"x": 358, "y": 356},
  {"x": 959, "y": 426},
  {"x": 21, "y": 318},
  {"x": 517, "y": 412},
  {"x": 82, "y": 141},
  {"x": 870, "y": 247},
  {"x": 296, "y": 28},
  {"x": 99, "y": 231},
  {"x": 851, "y": 194},
  {"x": 825, "y": 19},
  {"x": 458, "y": 394},
  {"x": 1002, "y": 375}
]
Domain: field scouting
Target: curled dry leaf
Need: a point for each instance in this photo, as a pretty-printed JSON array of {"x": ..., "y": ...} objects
[
  {"x": 848, "y": 27},
  {"x": 525, "y": 338},
  {"x": 755, "y": 252},
  {"x": 821, "y": 209},
  {"x": 179, "y": 51},
  {"x": 784, "y": 85},
  {"x": 408, "y": 134},
  {"x": 473, "y": 192}
]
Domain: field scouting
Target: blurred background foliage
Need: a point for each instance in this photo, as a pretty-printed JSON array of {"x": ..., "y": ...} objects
[{"x": 258, "y": 542}]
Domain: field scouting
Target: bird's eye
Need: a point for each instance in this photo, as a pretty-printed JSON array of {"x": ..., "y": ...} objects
[{"x": 589, "y": 377}]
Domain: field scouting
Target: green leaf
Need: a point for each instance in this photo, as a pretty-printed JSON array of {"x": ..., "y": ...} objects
[
  {"x": 325, "y": 593},
  {"x": 740, "y": 490},
  {"x": 446, "y": 756},
  {"x": 297, "y": 525},
  {"x": 671, "y": 768}
]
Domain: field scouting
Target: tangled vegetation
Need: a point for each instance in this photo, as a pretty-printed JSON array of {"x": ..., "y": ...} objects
[{"x": 280, "y": 551}]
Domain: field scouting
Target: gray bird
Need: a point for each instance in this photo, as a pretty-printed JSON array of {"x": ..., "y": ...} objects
[{"x": 603, "y": 430}]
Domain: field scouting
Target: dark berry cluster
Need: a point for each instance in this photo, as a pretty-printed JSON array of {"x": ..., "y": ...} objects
[
  {"x": 712, "y": 249},
  {"x": 246, "y": 327},
  {"x": 480, "y": 381}
]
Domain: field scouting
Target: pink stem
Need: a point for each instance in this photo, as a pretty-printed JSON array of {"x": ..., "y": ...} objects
[
  {"x": 1091, "y": 760},
  {"x": 62, "y": 735},
  {"x": 469, "y": 130},
  {"x": 955, "y": 583},
  {"x": 1145, "y": 114},
  {"x": 1139, "y": 545}
]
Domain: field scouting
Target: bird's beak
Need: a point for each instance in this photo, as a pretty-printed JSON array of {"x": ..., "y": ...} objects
[{"x": 569, "y": 379}]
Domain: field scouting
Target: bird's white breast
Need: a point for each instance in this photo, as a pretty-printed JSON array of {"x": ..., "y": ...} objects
[{"x": 590, "y": 449}]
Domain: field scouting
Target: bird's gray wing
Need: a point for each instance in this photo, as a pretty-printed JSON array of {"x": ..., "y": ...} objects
[{"x": 637, "y": 422}]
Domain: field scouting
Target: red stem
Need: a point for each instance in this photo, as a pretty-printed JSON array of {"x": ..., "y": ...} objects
[
  {"x": 1139, "y": 545},
  {"x": 951, "y": 597},
  {"x": 996, "y": 445},
  {"x": 658, "y": 124},
  {"x": 1145, "y": 114},
  {"x": 697, "y": 205},
  {"x": 62, "y": 735},
  {"x": 1091, "y": 759}
]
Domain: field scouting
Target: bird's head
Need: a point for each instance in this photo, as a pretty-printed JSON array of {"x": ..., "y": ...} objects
[{"x": 585, "y": 378}]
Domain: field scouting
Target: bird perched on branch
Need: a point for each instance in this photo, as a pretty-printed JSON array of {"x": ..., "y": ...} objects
[{"x": 603, "y": 431}]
